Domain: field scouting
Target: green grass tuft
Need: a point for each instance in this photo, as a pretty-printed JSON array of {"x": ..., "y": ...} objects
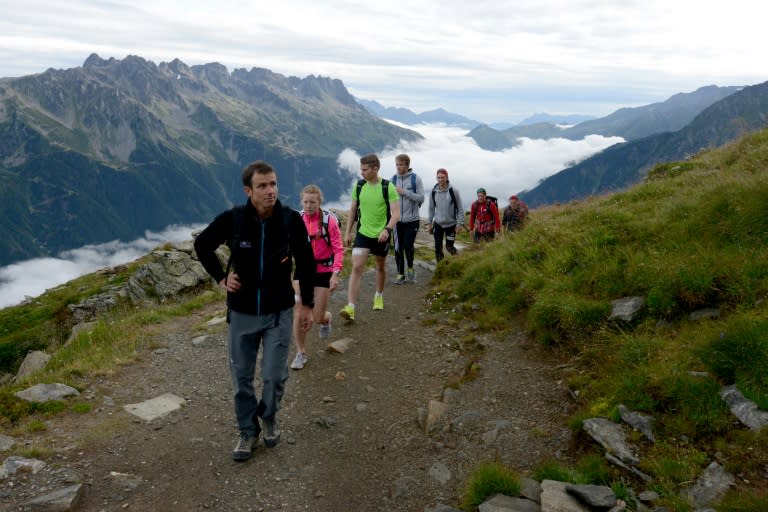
[{"x": 487, "y": 480}]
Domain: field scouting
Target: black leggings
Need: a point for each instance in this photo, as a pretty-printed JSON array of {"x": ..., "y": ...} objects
[
  {"x": 450, "y": 237},
  {"x": 405, "y": 238}
]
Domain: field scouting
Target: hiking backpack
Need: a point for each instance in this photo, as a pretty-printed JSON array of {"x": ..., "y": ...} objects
[
  {"x": 384, "y": 192},
  {"x": 453, "y": 199},
  {"x": 413, "y": 181}
]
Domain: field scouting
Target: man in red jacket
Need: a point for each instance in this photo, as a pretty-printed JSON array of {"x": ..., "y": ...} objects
[{"x": 484, "y": 220}]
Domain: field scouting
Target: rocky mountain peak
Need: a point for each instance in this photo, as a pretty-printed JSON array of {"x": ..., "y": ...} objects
[{"x": 111, "y": 134}]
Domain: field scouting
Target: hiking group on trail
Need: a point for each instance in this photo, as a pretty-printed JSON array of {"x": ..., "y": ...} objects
[{"x": 284, "y": 265}]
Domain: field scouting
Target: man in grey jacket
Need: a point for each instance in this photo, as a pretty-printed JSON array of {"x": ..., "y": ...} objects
[
  {"x": 411, "y": 191},
  {"x": 446, "y": 214}
]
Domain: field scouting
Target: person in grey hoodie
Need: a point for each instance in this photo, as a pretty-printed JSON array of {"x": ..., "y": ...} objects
[
  {"x": 410, "y": 188},
  {"x": 446, "y": 214}
]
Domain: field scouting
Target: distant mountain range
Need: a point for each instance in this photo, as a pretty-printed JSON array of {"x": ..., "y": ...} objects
[
  {"x": 674, "y": 129},
  {"x": 621, "y": 165},
  {"x": 629, "y": 123},
  {"x": 115, "y": 147},
  {"x": 405, "y": 116}
]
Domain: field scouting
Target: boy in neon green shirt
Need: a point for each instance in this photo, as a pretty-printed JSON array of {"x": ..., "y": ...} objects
[{"x": 374, "y": 231}]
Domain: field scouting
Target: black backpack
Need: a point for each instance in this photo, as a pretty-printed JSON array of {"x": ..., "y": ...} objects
[
  {"x": 453, "y": 199},
  {"x": 384, "y": 192}
]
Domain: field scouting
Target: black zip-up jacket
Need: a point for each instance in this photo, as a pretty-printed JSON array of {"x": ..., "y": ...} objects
[{"x": 261, "y": 256}]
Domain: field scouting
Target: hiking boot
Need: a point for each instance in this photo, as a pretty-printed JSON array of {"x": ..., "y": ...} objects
[
  {"x": 411, "y": 275},
  {"x": 271, "y": 433},
  {"x": 245, "y": 445},
  {"x": 347, "y": 312},
  {"x": 325, "y": 329},
  {"x": 299, "y": 361},
  {"x": 451, "y": 249},
  {"x": 400, "y": 279},
  {"x": 378, "y": 302}
]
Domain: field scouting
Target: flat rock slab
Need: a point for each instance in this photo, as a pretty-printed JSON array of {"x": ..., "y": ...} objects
[
  {"x": 46, "y": 392},
  {"x": 60, "y": 500},
  {"x": 6, "y": 442},
  {"x": 156, "y": 407},
  {"x": 340, "y": 346}
]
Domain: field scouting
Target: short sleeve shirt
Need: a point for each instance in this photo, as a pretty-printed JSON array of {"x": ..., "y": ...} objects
[{"x": 373, "y": 209}]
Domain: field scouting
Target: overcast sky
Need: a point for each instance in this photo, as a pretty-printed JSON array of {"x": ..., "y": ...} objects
[
  {"x": 493, "y": 61},
  {"x": 469, "y": 167}
]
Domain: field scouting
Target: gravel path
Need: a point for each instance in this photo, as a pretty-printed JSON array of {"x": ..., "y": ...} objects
[{"x": 352, "y": 435}]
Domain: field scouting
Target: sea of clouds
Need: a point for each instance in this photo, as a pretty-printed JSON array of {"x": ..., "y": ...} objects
[
  {"x": 469, "y": 167},
  {"x": 501, "y": 173}
]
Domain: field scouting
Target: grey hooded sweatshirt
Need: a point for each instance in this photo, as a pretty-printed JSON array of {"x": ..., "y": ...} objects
[
  {"x": 410, "y": 202},
  {"x": 442, "y": 211}
]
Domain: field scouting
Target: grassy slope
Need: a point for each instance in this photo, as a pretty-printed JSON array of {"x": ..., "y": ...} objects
[{"x": 693, "y": 236}]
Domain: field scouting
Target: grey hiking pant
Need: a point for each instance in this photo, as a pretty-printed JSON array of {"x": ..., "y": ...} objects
[{"x": 246, "y": 333}]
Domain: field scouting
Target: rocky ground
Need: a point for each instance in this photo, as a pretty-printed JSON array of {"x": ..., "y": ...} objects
[{"x": 353, "y": 434}]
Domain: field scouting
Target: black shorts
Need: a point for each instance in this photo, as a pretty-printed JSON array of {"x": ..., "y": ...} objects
[
  {"x": 323, "y": 279},
  {"x": 377, "y": 248}
]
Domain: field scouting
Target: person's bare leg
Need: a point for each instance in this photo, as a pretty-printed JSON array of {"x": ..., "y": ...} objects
[
  {"x": 359, "y": 257},
  {"x": 381, "y": 273},
  {"x": 322, "y": 315}
]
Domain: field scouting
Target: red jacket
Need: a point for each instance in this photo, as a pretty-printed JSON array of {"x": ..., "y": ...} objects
[{"x": 484, "y": 217}]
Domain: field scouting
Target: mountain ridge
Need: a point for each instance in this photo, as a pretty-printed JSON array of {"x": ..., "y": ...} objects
[
  {"x": 118, "y": 146},
  {"x": 625, "y": 164},
  {"x": 631, "y": 123}
]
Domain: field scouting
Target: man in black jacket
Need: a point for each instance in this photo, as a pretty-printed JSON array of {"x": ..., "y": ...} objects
[{"x": 263, "y": 237}]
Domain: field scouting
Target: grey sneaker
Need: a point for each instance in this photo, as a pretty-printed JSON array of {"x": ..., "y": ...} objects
[
  {"x": 400, "y": 279},
  {"x": 411, "y": 275},
  {"x": 244, "y": 449},
  {"x": 271, "y": 433},
  {"x": 299, "y": 361},
  {"x": 325, "y": 329}
]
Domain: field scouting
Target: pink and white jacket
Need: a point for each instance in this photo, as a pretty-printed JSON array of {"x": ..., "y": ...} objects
[{"x": 323, "y": 252}]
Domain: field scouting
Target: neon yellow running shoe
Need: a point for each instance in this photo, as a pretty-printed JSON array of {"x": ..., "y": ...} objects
[
  {"x": 378, "y": 302},
  {"x": 347, "y": 312}
]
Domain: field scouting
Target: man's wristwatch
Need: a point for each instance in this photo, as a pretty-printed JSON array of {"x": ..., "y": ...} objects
[{"x": 389, "y": 230}]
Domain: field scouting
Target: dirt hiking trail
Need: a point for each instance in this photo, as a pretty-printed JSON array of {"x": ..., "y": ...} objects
[{"x": 352, "y": 439}]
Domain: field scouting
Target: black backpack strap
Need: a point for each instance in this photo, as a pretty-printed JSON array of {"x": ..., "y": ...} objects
[
  {"x": 453, "y": 198},
  {"x": 385, "y": 193}
]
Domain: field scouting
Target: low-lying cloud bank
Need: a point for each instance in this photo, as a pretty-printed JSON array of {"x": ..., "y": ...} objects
[
  {"x": 469, "y": 167},
  {"x": 32, "y": 277}
]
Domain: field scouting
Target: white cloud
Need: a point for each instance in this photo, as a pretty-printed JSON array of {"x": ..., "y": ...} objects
[
  {"x": 500, "y": 173},
  {"x": 494, "y": 60},
  {"x": 469, "y": 167},
  {"x": 31, "y": 278}
]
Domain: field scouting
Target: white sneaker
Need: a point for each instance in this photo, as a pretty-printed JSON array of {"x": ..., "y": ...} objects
[
  {"x": 325, "y": 329},
  {"x": 299, "y": 361}
]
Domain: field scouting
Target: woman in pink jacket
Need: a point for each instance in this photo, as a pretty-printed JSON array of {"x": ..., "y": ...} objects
[{"x": 325, "y": 235}]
